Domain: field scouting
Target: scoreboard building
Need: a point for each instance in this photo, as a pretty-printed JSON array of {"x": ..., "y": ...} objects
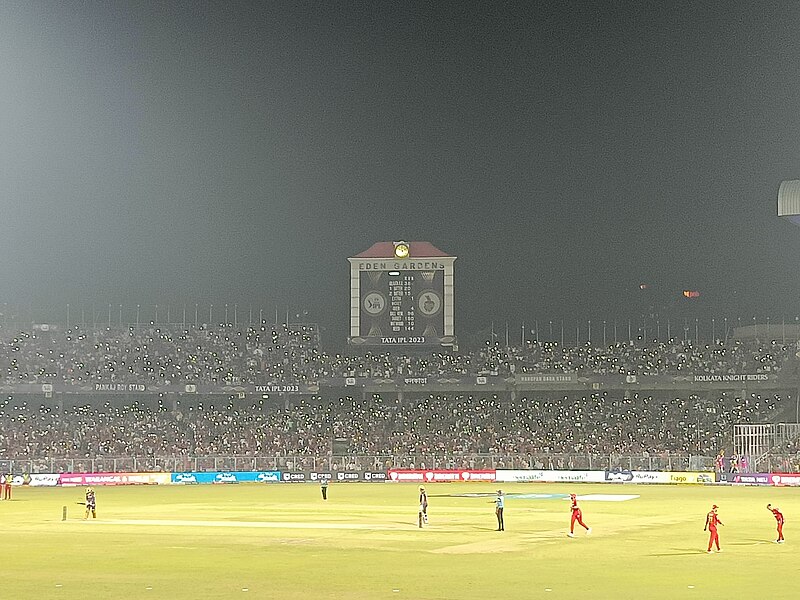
[{"x": 401, "y": 294}]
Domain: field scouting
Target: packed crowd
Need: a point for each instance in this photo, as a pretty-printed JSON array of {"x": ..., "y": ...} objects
[
  {"x": 601, "y": 423},
  {"x": 269, "y": 353},
  {"x": 160, "y": 354},
  {"x": 548, "y": 423}
]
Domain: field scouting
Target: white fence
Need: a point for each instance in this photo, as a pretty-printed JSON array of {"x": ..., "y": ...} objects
[{"x": 762, "y": 444}]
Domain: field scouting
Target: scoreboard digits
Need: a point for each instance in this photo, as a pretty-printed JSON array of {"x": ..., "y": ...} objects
[{"x": 401, "y": 303}]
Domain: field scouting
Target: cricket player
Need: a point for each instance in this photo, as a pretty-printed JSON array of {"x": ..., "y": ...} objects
[
  {"x": 91, "y": 504},
  {"x": 712, "y": 520},
  {"x": 7, "y": 481},
  {"x": 776, "y": 512},
  {"x": 499, "y": 505},
  {"x": 577, "y": 517},
  {"x": 423, "y": 507},
  {"x": 323, "y": 486}
]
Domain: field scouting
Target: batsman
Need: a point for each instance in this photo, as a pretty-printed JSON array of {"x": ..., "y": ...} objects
[{"x": 91, "y": 504}]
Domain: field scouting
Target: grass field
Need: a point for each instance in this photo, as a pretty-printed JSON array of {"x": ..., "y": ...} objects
[{"x": 283, "y": 541}]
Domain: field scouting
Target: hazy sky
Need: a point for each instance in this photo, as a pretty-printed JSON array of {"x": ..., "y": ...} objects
[{"x": 565, "y": 152}]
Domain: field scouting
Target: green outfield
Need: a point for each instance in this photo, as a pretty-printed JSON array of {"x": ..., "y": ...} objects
[{"x": 283, "y": 541}]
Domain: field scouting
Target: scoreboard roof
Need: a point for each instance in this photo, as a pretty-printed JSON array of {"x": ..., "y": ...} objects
[{"x": 416, "y": 250}]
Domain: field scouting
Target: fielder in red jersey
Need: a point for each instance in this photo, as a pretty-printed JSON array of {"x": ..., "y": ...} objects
[
  {"x": 577, "y": 516},
  {"x": 712, "y": 520},
  {"x": 776, "y": 512}
]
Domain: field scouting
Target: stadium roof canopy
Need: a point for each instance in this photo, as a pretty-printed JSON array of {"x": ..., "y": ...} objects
[{"x": 416, "y": 250}]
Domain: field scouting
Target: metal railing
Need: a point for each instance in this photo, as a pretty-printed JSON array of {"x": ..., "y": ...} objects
[
  {"x": 764, "y": 442},
  {"x": 547, "y": 461},
  {"x": 778, "y": 463}
]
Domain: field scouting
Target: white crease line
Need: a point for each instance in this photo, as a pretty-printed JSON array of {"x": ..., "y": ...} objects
[{"x": 257, "y": 524}]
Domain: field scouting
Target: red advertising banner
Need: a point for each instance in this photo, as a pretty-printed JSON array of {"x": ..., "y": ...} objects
[
  {"x": 113, "y": 478},
  {"x": 784, "y": 479},
  {"x": 440, "y": 475}
]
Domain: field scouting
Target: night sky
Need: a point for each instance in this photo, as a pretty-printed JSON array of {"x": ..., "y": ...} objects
[{"x": 238, "y": 152}]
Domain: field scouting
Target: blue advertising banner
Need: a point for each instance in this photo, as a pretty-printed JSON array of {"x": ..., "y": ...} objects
[
  {"x": 226, "y": 477},
  {"x": 197, "y": 477}
]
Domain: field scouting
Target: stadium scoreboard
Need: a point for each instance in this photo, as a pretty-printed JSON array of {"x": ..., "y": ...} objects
[{"x": 401, "y": 294}]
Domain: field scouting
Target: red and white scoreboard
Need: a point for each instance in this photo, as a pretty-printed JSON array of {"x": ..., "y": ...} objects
[{"x": 401, "y": 294}]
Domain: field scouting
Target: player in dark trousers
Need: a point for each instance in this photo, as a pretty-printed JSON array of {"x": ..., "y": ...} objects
[
  {"x": 423, "y": 502},
  {"x": 91, "y": 504},
  {"x": 323, "y": 486},
  {"x": 712, "y": 520},
  {"x": 499, "y": 505},
  {"x": 776, "y": 512},
  {"x": 422, "y": 518}
]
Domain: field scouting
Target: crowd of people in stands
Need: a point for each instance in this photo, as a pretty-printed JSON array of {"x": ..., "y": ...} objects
[
  {"x": 160, "y": 354},
  {"x": 533, "y": 424},
  {"x": 265, "y": 353},
  {"x": 576, "y": 424}
]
